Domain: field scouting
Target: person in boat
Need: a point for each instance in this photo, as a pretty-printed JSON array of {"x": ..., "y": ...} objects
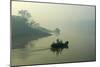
[
  {"x": 66, "y": 44},
  {"x": 58, "y": 41},
  {"x": 60, "y": 44}
]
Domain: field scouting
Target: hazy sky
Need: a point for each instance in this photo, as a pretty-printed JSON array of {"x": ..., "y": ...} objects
[
  {"x": 76, "y": 24},
  {"x": 56, "y": 15}
]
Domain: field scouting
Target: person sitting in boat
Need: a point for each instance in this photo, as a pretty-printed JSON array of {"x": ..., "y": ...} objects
[
  {"x": 60, "y": 44},
  {"x": 58, "y": 41},
  {"x": 66, "y": 44}
]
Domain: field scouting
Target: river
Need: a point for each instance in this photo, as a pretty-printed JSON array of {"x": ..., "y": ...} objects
[{"x": 81, "y": 48}]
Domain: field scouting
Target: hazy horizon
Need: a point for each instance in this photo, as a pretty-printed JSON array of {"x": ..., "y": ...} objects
[
  {"x": 48, "y": 15},
  {"x": 76, "y": 24}
]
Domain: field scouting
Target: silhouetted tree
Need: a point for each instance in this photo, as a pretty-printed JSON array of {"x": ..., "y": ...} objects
[
  {"x": 57, "y": 31},
  {"x": 25, "y": 13}
]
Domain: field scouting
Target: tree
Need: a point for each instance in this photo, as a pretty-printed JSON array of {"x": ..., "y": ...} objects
[
  {"x": 25, "y": 13},
  {"x": 57, "y": 31}
]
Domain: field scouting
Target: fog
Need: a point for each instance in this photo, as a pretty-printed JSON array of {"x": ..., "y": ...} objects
[{"x": 72, "y": 23}]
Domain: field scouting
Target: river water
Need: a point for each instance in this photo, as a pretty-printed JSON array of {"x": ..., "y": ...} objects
[
  {"x": 76, "y": 23},
  {"x": 81, "y": 48}
]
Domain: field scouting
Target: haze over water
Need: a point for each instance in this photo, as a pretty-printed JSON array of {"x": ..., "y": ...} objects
[{"x": 77, "y": 25}]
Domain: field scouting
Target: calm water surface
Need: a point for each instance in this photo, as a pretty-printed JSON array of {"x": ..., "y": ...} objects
[
  {"x": 81, "y": 48},
  {"x": 76, "y": 23}
]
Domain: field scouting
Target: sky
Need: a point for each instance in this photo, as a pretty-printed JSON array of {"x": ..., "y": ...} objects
[
  {"x": 76, "y": 24},
  {"x": 56, "y": 15}
]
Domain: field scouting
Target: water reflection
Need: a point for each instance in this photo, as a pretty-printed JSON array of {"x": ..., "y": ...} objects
[
  {"x": 21, "y": 42},
  {"x": 59, "y": 46},
  {"x": 56, "y": 47}
]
